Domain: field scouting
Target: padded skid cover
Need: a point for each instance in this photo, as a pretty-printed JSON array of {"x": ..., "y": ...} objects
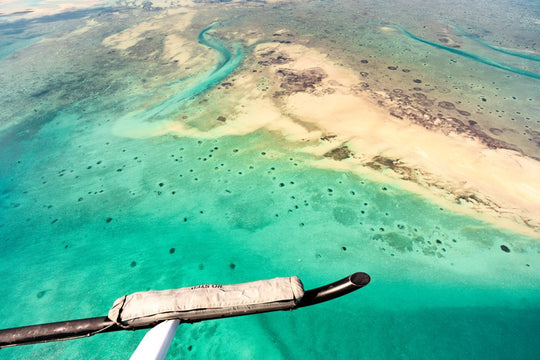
[{"x": 203, "y": 302}]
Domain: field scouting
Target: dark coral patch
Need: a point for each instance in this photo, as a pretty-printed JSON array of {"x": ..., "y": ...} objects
[
  {"x": 340, "y": 153},
  {"x": 293, "y": 81},
  {"x": 419, "y": 96},
  {"x": 447, "y": 105}
]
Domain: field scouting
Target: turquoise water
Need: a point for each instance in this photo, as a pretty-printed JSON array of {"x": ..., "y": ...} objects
[
  {"x": 9, "y": 48},
  {"x": 87, "y": 216},
  {"x": 481, "y": 59},
  {"x": 227, "y": 62},
  {"x": 521, "y": 54}
]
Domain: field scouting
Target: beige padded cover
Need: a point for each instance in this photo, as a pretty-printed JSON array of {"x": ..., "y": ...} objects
[{"x": 203, "y": 302}]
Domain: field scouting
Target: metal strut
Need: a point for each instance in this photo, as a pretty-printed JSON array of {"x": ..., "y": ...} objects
[{"x": 74, "y": 329}]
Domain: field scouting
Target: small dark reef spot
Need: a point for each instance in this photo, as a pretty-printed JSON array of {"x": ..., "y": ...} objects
[{"x": 338, "y": 154}]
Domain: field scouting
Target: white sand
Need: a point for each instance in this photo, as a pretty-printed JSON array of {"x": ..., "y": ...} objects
[
  {"x": 18, "y": 9},
  {"x": 506, "y": 181},
  {"x": 504, "y": 184}
]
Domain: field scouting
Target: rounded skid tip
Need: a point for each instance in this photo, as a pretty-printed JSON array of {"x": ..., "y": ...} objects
[{"x": 360, "y": 279}]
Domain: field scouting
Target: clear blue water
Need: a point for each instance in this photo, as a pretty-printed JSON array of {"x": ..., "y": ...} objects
[
  {"x": 226, "y": 63},
  {"x": 87, "y": 216}
]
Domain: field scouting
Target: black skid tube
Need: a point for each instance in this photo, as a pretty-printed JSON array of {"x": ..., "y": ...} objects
[
  {"x": 74, "y": 329},
  {"x": 334, "y": 290},
  {"x": 63, "y": 330}
]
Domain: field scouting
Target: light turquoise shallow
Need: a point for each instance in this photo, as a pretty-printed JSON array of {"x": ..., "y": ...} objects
[{"x": 86, "y": 217}]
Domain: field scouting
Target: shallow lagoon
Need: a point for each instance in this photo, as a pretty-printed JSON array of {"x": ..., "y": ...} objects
[{"x": 102, "y": 196}]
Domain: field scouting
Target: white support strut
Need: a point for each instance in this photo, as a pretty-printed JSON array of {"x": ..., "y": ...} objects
[{"x": 156, "y": 342}]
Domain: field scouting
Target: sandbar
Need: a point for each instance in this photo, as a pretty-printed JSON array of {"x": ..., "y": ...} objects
[{"x": 310, "y": 100}]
